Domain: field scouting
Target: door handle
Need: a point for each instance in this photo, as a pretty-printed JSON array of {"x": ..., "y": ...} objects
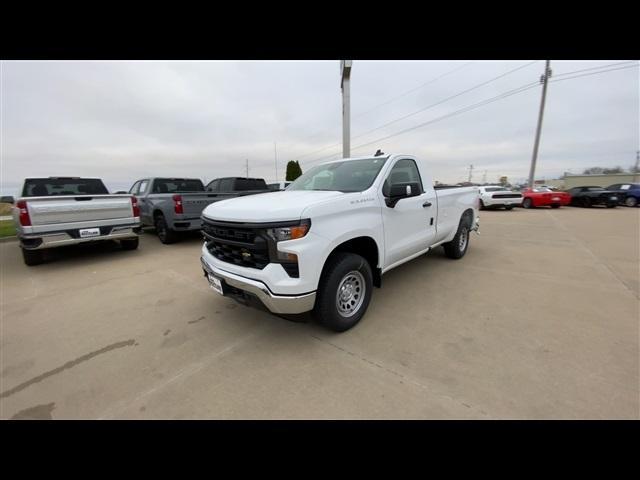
[{"x": 426, "y": 204}]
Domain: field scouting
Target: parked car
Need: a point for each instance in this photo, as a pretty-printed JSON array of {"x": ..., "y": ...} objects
[
  {"x": 232, "y": 187},
  {"x": 628, "y": 193},
  {"x": 592, "y": 195},
  {"x": 58, "y": 211},
  {"x": 278, "y": 186},
  {"x": 495, "y": 196},
  {"x": 324, "y": 242},
  {"x": 543, "y": 197},
  {"x": 171, "y": 205}
]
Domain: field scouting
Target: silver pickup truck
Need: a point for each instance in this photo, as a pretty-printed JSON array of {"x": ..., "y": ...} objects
[
  {"x": 171, "y": 205},
  {"x": 58, "y": 211}
]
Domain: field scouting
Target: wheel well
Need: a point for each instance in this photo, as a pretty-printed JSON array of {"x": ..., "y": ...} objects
[
  {"x": 367, "y": 248},
  {"x": 467, "y": 217},
  {"x": 157, "y": 213}
]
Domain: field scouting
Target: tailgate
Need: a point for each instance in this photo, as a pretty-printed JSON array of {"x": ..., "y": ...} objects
[
  {"x": 55, "y": 210},
  {"x": 193, "y": 204}
]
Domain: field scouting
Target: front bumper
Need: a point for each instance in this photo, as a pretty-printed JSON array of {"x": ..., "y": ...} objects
[
  {"x": 61, "y": 239},
  {"x": 285, "y": 304}
]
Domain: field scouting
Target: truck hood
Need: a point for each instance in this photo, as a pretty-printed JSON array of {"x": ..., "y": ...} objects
[{"x": 267, "y": 207}]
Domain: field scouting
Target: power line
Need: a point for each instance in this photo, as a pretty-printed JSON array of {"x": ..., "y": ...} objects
[
  {"x": 595, "y": 68},
  {"x": 451, "y": 114},
  {"x": 413, "y": 89},
  {"x": 509, "y": 93},
  {"x": 475, "y": 87},
  {"x": 393, "y": 100}
]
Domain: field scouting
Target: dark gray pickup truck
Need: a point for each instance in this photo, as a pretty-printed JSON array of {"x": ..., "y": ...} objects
[
  {"x": 171, "y": 205},
  {"x": 232, "y": 187},
  {"x": 174, "y": 205}
]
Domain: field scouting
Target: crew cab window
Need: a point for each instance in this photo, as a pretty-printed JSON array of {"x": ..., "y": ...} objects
[
  {"x": 244, "y": 184},
  {"x": 214, "y": 186},
  {"x": 177, "y": 185},
  {"x": 44, "y": 187},
  {"x": 134, "y": 188},
  {"x": 226, "y": 185},
  {"x": 404, "y": 171}
]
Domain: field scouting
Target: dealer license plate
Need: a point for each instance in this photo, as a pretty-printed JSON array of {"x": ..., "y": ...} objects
[{"x": 89, "y": 232}]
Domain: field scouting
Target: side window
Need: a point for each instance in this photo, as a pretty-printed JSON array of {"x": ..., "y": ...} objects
[
  {"x": 214, "y": 186},
  {"x": 134, "y": 188},
  {"x": 226, "y": 184},
  {"x": 143, "y": 186},
  {"x": 624, "y": 187},
  {"x": 404, "y": 171}
]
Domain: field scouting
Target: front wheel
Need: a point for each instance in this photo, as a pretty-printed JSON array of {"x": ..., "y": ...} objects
[
  {"x": 457, "y": 247},
  {"x": 32, "y": 257},
  {"x": 344, "y": 291},
  {"x": 527, "y": 203},
  {"x": 586, "y": 202},
  {"x": 631, "y": 201},
  {"x": 611, "y": 205}
]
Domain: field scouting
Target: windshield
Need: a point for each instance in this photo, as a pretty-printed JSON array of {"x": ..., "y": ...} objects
[
  {"x": 346, "y": 176},
  {"x": 44, "y": 187},
  {"x": 175, "y": 185}
]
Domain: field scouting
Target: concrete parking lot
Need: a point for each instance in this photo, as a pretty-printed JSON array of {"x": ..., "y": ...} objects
[{"x": 539, "y": 320}]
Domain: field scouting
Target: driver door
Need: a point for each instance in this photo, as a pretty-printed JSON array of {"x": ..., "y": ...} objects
[{"x": 408, "y": 227}]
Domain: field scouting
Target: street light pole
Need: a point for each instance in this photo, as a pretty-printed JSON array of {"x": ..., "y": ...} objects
[
  {"x": 544, "y": 80},
  {"x": 275, "y": 153},
  {"x": 345, "y": 75}
]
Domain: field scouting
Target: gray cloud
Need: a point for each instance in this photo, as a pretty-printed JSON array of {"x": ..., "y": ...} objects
[{"x": 124, "y": 120}]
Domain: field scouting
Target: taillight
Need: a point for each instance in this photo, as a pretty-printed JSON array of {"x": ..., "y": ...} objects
[
  {"x": 25, "y": 220},
  {"x": 177, "y": 204},
  {"x": 135, "y": 207}
]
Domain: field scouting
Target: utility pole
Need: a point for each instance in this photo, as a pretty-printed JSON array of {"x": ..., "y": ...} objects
[
  {"x": 544, "y": 80},
  {"x": 345, "y": 75},
  {"x": 484, "y": 177},
  {"x": 275, "y": 154},
  {"x": 470, "y": 172},
  {"x": 635, "y": 170},
  {"x": 247, "y": 166}
]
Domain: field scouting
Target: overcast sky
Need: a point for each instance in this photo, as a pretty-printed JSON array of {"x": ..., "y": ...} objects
[{"x": 125, "y": 120}]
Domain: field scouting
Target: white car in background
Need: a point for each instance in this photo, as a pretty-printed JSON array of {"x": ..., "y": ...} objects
[{"x": 495, "y": 196}]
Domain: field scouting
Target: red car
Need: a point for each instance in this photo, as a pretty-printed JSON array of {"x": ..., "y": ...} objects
[{"x": 542, "y": 197}]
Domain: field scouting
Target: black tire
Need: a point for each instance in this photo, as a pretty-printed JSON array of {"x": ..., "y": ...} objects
[
  {"x": 482, "y": 207},
  {"x": 339, "y": 268},
  {"x": 555, "y": 206},
  {"x": 586, "y": 202},
  {"x": 457, "y": 247},
  {"x": 165, "y": 234},
  {"x": 130, "y": 244},
  {"x": 611, "y": 205},
  {"x": 508, "y": 207},
  {"x": 527, "y": 203},
  {"x": 631, "y": 201},
  {"x": 32, "y": 257}
]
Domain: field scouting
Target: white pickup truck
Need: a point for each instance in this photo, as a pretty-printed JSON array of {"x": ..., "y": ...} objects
[
  {"x": 325, "y": 242},
  {"x": 58, "y": 211}
]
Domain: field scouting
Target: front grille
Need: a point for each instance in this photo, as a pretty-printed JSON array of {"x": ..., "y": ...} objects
[
  {"x": 245, "y": 247},
  {"x": 506, "y": 195}
]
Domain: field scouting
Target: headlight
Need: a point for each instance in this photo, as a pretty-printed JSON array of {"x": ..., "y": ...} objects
[{"x": 281, "y": 234}]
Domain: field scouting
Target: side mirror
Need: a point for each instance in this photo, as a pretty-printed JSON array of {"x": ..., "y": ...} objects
[
  {"x": 399, "y": 191},
  {"x": 7, "y": 199}
]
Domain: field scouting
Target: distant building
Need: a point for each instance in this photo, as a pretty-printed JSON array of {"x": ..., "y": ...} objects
[{"x": 598, "y": 180}]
